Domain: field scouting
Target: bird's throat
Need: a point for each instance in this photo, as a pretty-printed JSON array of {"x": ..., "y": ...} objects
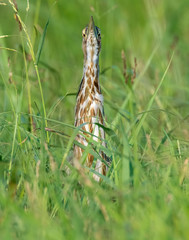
[{"x": 91, "y": 66}]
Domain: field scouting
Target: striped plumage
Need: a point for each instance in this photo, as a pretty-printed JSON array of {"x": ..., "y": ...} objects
[{"x": 89, "y": 103}]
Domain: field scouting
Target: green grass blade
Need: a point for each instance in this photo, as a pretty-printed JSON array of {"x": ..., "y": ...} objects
[
  {"x": 41, "y": 43},
  {"x": 136, "y": 131}
]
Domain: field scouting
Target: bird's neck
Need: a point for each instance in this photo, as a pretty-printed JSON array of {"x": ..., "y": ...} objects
[
  {"x": 91, "y": 65},
  {"x": 89, "y": 86}
]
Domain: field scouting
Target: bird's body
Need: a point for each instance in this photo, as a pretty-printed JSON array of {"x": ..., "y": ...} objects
[{"x": 89, "y": 103}]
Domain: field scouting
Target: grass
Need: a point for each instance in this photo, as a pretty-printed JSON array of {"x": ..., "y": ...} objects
[{"x": 145, "y": 194}]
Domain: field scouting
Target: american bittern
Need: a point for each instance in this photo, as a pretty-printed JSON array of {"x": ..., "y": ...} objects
[{"x": 89, "y": 105}]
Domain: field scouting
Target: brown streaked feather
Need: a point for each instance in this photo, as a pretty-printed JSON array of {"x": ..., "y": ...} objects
[
  {"x": 90, "y": 160},
  {"x": 89, "y": 82}
]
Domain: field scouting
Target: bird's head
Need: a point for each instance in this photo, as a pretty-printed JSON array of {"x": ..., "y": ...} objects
[{"x": 91, "y": 39}]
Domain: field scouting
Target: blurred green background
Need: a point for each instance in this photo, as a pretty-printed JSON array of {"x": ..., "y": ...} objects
[{"x": 147, "y": 130}]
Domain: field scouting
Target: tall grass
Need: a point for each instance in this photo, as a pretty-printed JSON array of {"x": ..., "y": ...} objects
[{"x": 144, "y": 79}]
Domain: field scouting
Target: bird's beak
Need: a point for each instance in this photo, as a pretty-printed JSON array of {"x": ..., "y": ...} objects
[{"x": 92, "y": 27}]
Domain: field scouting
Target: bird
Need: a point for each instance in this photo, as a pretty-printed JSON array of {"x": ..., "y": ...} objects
[{"x": 89, "y": 109}]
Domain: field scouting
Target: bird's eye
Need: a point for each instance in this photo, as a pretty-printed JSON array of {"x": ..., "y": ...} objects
[
  {"x": 98, "y": 32},
  {"x": 84, "y": 32}
]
